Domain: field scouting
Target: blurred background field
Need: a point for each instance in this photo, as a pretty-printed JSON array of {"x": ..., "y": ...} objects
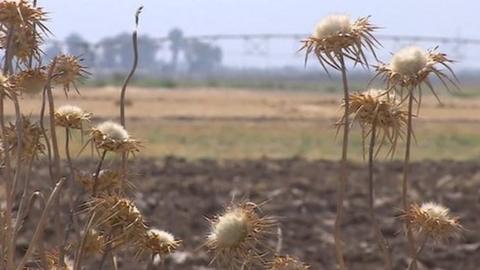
[{"x": 245, "y": 123}]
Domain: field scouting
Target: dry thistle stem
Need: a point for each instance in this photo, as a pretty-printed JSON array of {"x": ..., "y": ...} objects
[
  {"x": 287, "y": 263},
  {"x": 31, "y": 81},
  {"x": 337, "y": 35},
  {"x": 110, "y": 136},
  {"x": 411, "y": 67},
  {"x": 432, "y": 219},
  {"x": 238, "y": 236},
  {"x": 32, "y": 133},
  {"x": 70, "y": 116},
  {"x": 68, "y": 70},
  {"x": 157, "y": 242},
  {"x": 379, "y": 109},
  {"x": 118, "y": 218},
  {"x": 109, "y": 182}
]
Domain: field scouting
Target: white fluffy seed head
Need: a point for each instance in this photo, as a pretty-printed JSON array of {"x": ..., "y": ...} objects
[
  {"x": 435, "y": 210},
  {"x": 113, "y": 131},
  {"x": 333, "y": 25},
  {"x": 230, "y": 230},
  {"x": 409, "y": 60},
  {"x": 162, "y": 236},
  {"x": 70, "y": 110}
]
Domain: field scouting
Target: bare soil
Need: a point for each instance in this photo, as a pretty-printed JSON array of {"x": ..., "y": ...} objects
[{"x": 176, "y": 195}]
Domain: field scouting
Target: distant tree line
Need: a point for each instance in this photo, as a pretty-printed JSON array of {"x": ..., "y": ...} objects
[{"x": 115, "y": 54}]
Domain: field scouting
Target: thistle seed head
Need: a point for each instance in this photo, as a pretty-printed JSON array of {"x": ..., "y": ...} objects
[
  {"x": 409, "y": 61},
  {"x": 157, "y": 242},
  {"x": 70, "y": 116},
  {"x": 336, "y": 38},
  {"x": 287, "y": 263},
  {"x": 381, "y": 110},
  {"x": 94, "y": 243},
  {"x": 31, "y": 143},
  {"x": 25, "y": 44},
  {"x": 31, "y": 81},
  {"x": 109, "y": 182},
  {"x": 17, "y": 13},
  {"x": 333, "y": 25},
  {"x": 238, "y": 237},
  {"x": 433, "y": 219},
  {"x": 111, "y": 136},
  {"x": 119, "y": 217},
  {"x": 412, "y": 67},
  {"x": 68, "y": 71}
]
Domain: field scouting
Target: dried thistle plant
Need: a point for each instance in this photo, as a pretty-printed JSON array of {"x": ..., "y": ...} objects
[
  {"x": 238, "y": 236},
  {"x": 17, "y": 13},
  {"x": 287, "y": 263},
  {"x": 409, "y": 69},
  {"x": 118, "y": 218},
  {"x": 380, "y": 110},
  {"x": 72, "y": 117},
  {"x": 110, "y": 136},
  {"x": 95, "y": 243},
  {"x": 109, "y": 182},
  {"x": 335, "y": 39},
  {"x": 68, "y": 71},
  {"x": 412, "y": 67},
  {"x": 31, "y": 81},
  {"x": 31, "y": 143},
  {"x": 157, "y": 243},
  {"x": 432, "y": 219},
  {"x": 25, "y": 44}
]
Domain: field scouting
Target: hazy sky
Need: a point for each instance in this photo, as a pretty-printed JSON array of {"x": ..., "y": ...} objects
[{"x": 95, "y": 19}]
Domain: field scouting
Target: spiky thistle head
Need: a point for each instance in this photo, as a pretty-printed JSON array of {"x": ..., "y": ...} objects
[
  {"x": 287, "y": 263},
  {"x": 119, "y": 217},
  {"x": 95, "y": 243},
  {"x": 25, "y": 44},
  {"x": 31, "y": 139},
  {"x": 70, "y": 116},
  {"x": 31, "y": 81},
  {"x": 53, "y": 262},
  {"x": 412, "y": 66},
  {"x": 337, "y": 37},
  {"x": 238, "y": 236},
  {"x": 111, "y": 136},
  {"x": 432, "y": 219},
  {"x": 17, "y": 13},
  {"x": 380, "y": 110},
  {"x": 109, "y": 182},
  {"x": 68, "y": 71},
  {"x": 157, "y": 243}
]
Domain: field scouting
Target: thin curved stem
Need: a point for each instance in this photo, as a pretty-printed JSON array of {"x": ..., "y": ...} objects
[
  {"x": 97, "y": 173},
  {"x": 381, "y": 241},
  {"x": 342, "y": 183},
  {"x": 418, "y": 252},
  {"x": 406, "y": 175}
]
